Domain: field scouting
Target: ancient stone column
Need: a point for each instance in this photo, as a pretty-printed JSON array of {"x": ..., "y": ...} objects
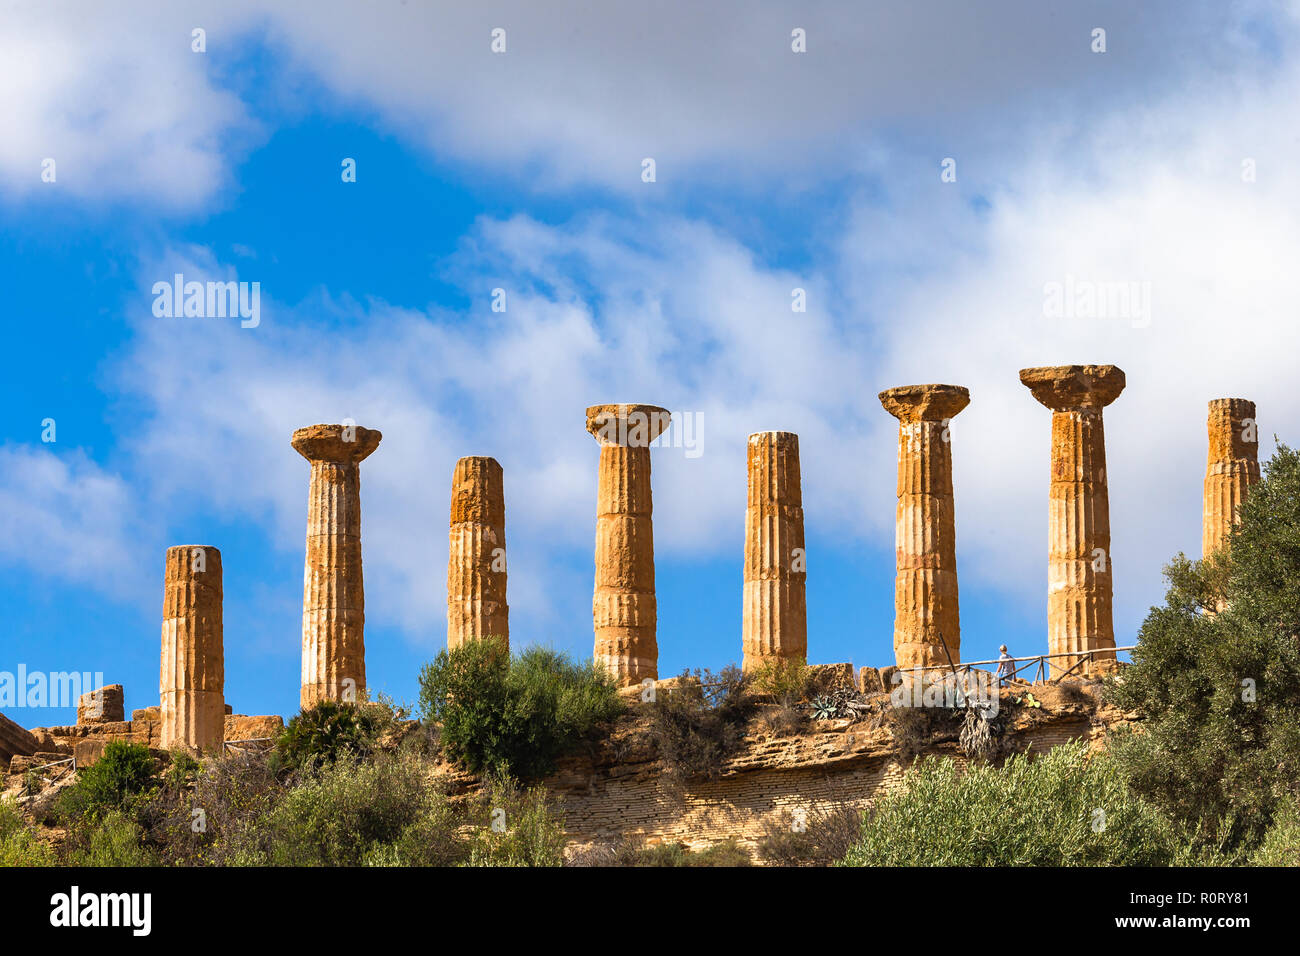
[
  {"x": 333, "y": 600},
  {"x": 623, "y": 607},
  {"x": 1079, "y": 566},
  {"x": 1232, "y": 467},
  {"x": 476, "y": 563},
  {"x": 926, "y": 615},
  {"x": 775, "y": 613},
  {"x": 192, "y": 677}
]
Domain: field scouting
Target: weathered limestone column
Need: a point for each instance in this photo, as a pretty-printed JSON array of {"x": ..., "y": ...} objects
[
  {"x": 192, "y": 678},
  {"x": 1079, "y": 567},
  {"x": 775, "y": 614},
  {"x": 623, "y": 607},
  {"x": 333, "y": 599},
  {"x": 926, "y": 614},
  {"x": 476, "y": 563},
  {"x": 1232, "y": 467}
]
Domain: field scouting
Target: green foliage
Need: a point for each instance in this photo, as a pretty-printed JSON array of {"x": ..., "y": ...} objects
[
  {"x": 1065, "y": 808},
  {"x": 782, "y": 678},
  {"x": 698, "y": 724},
  {"x": 1281, "y": 844},
  {"x": 1219, "y": 693},
  {"x": 19, "y": 843},
  {"x": 513, "y": 716},
  {"x": 351, "y": 812},
  {"x": 183, "y": 771},
  {"x": 120, "y": 779},
  {"x": 325, "y": 732},
  {"x": 516, "y": 827},
  {"x": 114, "y": 839}
]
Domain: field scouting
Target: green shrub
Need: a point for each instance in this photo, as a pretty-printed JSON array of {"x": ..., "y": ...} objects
[
  {"x": 515, "y": 827},
  {"x": 183, "y": 771},
  {"x": 19, "y": 843},
  {"x": 120, "y": 779},
  {"x": 348, "y": 812},
  {"x": 513, "y": 716},
  {"x": 783, "y": 679},
  {"x": 1219, "y": 693},
  {"x": 113, "y": 839},
  {"x": 1281, "y": 843},
  {"x": 321, "y": 734},
  {"x": 1066, "y": 808},
  {"x": 698, "y": 724}
]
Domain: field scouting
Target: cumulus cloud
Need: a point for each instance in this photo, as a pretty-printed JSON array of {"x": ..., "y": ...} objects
[
  {"x": 583, "y": 92},
  {"x": 70, "y": 519}
]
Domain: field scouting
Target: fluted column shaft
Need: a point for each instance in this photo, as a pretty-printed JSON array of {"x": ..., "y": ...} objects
[
  {"x": 926, "y": 607},
  {"x": 1080, "y": 568},
  {"x": 1079, "y": 573},
  {"x": 333, "y": 603},
  {"x": 191, "y": 682},
  {"x": 624, "y": 612},
  {"x": 476, "y": 564},
  {"x": 1231, "y": 468},
  {"x": 775, "y": 612}
]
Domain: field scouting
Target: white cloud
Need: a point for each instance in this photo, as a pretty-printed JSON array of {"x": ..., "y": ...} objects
[
  {"x": 585, "y": 91},
  {"x": 70, "y": 519}
]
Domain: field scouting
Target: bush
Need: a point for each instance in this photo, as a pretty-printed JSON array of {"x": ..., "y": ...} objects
[
  {"x": 513, "y": 716},
  {"x": 353, "y": 812},
  {"x": 114, "y": 839},
  {"x": 1219, "y": 693},
  {"x": 121, "y": 779},
  {"x": 323, "y": 733},
  {"x": 232, "y": 794},
  {"x": 515, "y": 827},
  {"x": 1066, "y": 808},
  {"x": 785, "y": 680},
  {"x": 1281, "y": 844},
  {"x": 698, "y": 724},
  {"x": 19, "y": 843},
  {"x": 820, "y": 838}
]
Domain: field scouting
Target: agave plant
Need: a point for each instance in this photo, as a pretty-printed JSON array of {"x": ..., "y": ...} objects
[{"x": 824, "y": 708}]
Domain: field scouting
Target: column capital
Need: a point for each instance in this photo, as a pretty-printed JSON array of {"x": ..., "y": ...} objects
[
  {"x": 336, "y": 443},
  {"x": 634, "y": 426},
  {"x": 924, "y": 403},
  {"x": 1064, "y": 388}
]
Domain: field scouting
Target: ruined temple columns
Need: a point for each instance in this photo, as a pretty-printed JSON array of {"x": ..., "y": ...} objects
[
  {"x": 1232, "y": 467},
  {"x": 476, "y": 563},
  {"x": 775, "y": 614},
  {"x": 623, "y": 607},
  {"x": 191, "y": 682},
  {"x": 333, "y": 601},
  {"x": 926, "y": 614},
  {"x": 1079, "y": 561}
]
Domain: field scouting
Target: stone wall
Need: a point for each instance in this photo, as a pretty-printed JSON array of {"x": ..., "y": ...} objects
[{"x": 618, "y": 791}]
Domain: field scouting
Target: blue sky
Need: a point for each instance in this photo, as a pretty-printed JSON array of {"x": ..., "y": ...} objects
[{"x": 522, "y": 170}]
